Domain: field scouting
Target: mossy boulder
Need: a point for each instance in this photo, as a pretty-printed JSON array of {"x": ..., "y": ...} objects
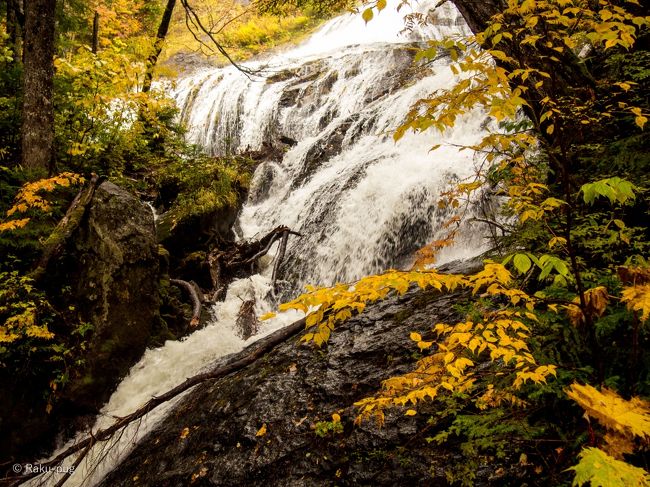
[
  {"x": 106, "y": 288},
  {"x": 112, "y": 267}
]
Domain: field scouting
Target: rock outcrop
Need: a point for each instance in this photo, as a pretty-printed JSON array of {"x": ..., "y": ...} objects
[
  {"x": 213, "y": 436},
  {"x": 113, "y": 270},
  {"x": 108, "y": 277}
]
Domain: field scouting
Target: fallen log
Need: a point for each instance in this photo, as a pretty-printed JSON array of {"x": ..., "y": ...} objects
[
  {"x": 233, "y": 364},
  {"x": 253, "y": 251},
  {"x": 55, "y": 243},
  {"x": 239, "y": 258}
]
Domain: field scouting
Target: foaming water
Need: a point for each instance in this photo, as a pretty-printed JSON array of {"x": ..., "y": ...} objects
[{"x": 362, "y": 201}]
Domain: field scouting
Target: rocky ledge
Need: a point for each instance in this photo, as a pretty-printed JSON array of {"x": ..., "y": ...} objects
[{"x": 271, "y": 423}]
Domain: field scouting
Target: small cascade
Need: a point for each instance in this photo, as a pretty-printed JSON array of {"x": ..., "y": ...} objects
[{"x": 362, "y": 201}]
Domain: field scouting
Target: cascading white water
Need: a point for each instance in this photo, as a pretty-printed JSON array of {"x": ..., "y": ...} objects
[{"x": 362, "y": 202}]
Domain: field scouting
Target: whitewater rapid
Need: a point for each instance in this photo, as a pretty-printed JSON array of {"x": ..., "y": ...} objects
[{"x": 362, "y": 201}]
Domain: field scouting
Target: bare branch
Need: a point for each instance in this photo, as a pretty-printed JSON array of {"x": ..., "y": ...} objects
[
  {"x": 194, "y": 24},
  {"x": 196, "y": 302}
]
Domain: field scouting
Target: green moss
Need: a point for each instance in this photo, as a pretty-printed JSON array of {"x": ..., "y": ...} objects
[
  {"x": 402, "y": 315},
  {"x": 108, "y": 346},
  {"x": 202, "y": 185}
]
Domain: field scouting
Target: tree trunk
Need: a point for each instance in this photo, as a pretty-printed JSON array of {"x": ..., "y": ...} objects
[
  {"x": 570, "y": 72},
  {"x": 38, "y": 111},
  {"x": 163, "y": 28},
  {"x": 477, "y": 14},
  {"x": 95, "y": 33}
]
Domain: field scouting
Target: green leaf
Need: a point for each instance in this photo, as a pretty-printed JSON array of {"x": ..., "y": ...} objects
[
  {"x": 548, "y": 263},
  {"x": 615, "y": 189},
  {"x": 522, "y": 263},
  {"x": 601, "y": 470}
]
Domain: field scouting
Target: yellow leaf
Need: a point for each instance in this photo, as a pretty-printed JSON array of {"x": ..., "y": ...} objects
[
  {"x": 410, "y": 412},
  {"x": 39, "y": 332},
  {"x": 267, "y": 316},
  {"x": 630, "y": 418},
  {"x": 261, "y": 431},
  {"x": 638, "y": 299},
  {"x": 416, "y": 337},
  {"x": 597, "y": 468},
  {"x": 336, "y": 418},
  {"x": 184, "y": 433}
]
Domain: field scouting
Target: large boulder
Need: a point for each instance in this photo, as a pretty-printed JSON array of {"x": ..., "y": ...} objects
[
  {"x": 107, "y": 277},
  {"x": 113, "y": 268}
]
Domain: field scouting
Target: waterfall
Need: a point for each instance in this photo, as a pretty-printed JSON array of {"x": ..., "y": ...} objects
[{"x": 362, "y": 202}]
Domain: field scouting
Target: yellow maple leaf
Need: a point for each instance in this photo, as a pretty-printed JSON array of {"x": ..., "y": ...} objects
[
  {"x": 597, "y": 468},
  {"x": 13, "y": 224},
  {"x": 638, "y": 299},
  {"x": 629, "y": 418}
]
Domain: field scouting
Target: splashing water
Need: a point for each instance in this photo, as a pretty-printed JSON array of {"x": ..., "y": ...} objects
[{"x": 362, "y": 202}]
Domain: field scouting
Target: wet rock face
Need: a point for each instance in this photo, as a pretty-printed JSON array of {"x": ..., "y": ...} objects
[
  {"x": 113, "y": 268},
  {"x": 293, "y": 391}
]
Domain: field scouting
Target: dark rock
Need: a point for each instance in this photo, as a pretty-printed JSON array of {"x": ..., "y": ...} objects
[
  {"x": 289, "y": 97},
  {"x": 247, "y": 323},
  {"x": 262, "y": 182},
  {"x": 326, "y": 147},
  {"x": 288, "y": 140},
  {"x": 293, "y": 391},
  {"x": 196, "y": 232},
  {"x": 195, "y": 267},
  {"x": 113, "y": 264}
]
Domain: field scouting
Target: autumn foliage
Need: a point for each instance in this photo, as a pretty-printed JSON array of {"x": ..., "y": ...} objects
[{"x": 573, "y": 258}]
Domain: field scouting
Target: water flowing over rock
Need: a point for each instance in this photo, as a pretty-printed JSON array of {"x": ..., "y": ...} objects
[
  {"x": 213, "y": 438},
  {"x": 363, "y": 202},
  {"x": 325, "y": 114}
]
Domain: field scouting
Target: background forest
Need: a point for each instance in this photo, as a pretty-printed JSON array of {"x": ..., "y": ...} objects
[{"x": 551, "y": 355}]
